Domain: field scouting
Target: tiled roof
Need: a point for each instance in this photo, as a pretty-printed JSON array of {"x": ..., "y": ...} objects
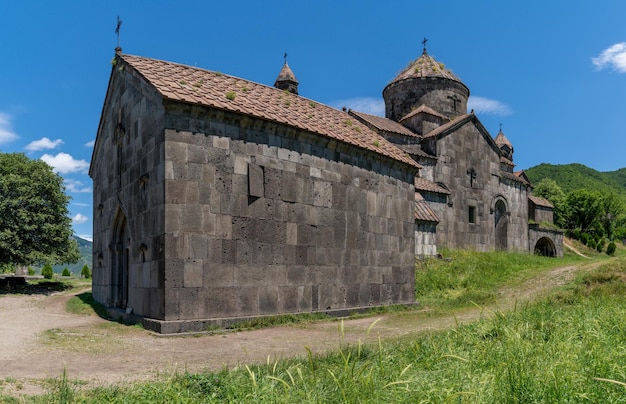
[
  {"x": 423, "y": 212},
  {"x": 423, "y": 109},
  {"x": 502, "y": 140},
  {"x": 416, "y": 150},
  {"x": 456, "y": 122},
  {"x": 541, "y": 202},
  {"x": 193, "y": 85},
  {"x": 513, "y": 177},
  {"x": 422, "y": 184},
  {"x": 426, "y": 66},
  {"x": 506, "y": 161},
  {"x": 384, "y": 124},
  {"x": 286, "y": 74}
]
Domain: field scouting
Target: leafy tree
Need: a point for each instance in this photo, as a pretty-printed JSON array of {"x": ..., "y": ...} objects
[
  {"x": 548, "y": 189},
  {"x": 47, "y": 271},
  {"x": 85, "y": 272},
  {"x": 34, "y": 222},
  {"x": 610, "y": 250},
  {"x": 613, "y": 213},
  {"x": 584, "y": 208},
  {"x": 66, "y": 272}
]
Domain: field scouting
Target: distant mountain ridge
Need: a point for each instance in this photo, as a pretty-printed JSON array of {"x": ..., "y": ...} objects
[
  {"x": 85, "y": 248},
  {"x": 578, "y": 176}
]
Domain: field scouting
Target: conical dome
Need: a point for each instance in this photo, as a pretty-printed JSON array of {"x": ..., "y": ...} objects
[
  {"x": 425, "y": 82},
  {"x": 425, "y": 66},
  {"x": 286, "y": 80},
  {"x": 505, "y": 146}
]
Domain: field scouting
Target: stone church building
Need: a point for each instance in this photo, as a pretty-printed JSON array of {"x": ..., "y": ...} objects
[{"x": 217, "y": 199}]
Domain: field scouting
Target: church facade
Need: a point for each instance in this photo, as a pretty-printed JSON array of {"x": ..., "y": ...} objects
[{"x": 217, "y": 199}]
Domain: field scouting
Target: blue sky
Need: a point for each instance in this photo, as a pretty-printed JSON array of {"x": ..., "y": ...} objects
[{"x": 552, "y": 73}]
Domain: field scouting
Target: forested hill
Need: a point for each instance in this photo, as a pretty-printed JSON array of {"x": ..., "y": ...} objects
[
  {"x": 578, "y": 176},
  {"x": 85, "y": 249}
]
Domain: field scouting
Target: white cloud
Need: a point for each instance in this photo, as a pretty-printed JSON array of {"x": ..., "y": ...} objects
[
  {"x": 76, "y": 186},
  {"x": 614, "y": 56},
  {"x": 83, "y": 205},
  {"x": 90, "y": 144},
  {"x": 43, "y": 143},
  {"x": 482, "y": 105},
  {"x": 79, "y": 219},
  {"x": 6, "y": 132},
  {"x": 87, "y": 237},
  {"x": 372, "y": 106},
  {"x": 64, "y": 163}
]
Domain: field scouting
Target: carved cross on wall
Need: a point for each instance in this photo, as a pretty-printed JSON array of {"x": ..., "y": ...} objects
[{"x": 455, "y": 102}]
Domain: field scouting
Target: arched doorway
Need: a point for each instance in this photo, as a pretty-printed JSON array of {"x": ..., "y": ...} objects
[
  {"x": 119, "y": 262},
  {"x": 545, "y": 246},
  {"x": 501, "y": 224}
]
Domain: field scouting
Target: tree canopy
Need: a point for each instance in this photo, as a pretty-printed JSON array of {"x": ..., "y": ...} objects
[{"x": 34, "y": 222}]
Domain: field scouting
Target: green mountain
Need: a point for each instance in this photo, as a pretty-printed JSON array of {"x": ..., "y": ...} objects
[
  {"x": 85, "y": 250},
  {"x": 578, "y": 176}
]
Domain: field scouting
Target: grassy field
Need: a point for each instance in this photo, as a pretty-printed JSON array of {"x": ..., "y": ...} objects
[{"x": 568, "y": 346}]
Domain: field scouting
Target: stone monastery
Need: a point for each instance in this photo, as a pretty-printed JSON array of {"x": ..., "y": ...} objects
[{"x": 217, "y": 199}]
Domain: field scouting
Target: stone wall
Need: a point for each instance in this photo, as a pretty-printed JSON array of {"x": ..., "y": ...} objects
[
  {"x": 545, "y": 239},
  {"x": 438, "y": 93},
  {"x": 425, "y": 239},
  {"x": 469, "y": 165},
  {"x": 127, "y": 171},
  {"x": 262, "y": 219}
]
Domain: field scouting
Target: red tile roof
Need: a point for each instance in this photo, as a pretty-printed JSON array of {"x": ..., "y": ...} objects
[
  {"x": 506, "y": 161},
  {"x": 416, "y": 150},
  {"x": 193, "y": 85},
  {"x": 513, "y": 177},
  {"x": 423, "y": 109},
  {"x": 422, "y": 184},
  {"x": 384, "y": 124},
  {"x": 541, "y": 202},
  {"x": 423, "y": 212}
]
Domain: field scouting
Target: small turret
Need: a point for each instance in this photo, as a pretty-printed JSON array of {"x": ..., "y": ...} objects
[
  {"x": 505, "y": 146},
  {"x": 286, "y": 80}
]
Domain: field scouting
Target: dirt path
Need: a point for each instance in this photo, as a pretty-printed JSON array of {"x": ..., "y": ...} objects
[{"x": 39, "y": 339}]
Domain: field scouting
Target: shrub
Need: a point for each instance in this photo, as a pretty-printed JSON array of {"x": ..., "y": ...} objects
[
  {"x": 591, "y": 244},
  {"x": 610, "y": 250},
  {"x": 85, "y": 272},
  {"x": 31, "y": 271},
  {"x": 47, "y": 271},
  {"x": 576, "y": 234},
  {"x": 600, "y": 245},
  {"x": 66, "y": 272}
]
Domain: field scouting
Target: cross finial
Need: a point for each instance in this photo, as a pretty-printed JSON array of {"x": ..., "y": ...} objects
[
  {"x": 424, "y": 43},
  {"x": 285, "y": 57},
  {"x": 117, "y": 32},
  {"x": 500, "y": 127}
]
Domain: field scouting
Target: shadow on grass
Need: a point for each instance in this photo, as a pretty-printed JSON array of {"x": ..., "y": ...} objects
[
  {"x": 99, "y": 309},
  {"x": 37, "y": 288}
]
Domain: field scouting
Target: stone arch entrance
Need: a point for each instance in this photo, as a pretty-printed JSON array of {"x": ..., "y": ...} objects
[
  {"x": 119, "y": 262},
  {"x": 501, "y": 221},
  {"x": 545, "y": 246}
]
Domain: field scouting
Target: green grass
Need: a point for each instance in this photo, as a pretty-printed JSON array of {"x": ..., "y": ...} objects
[
  {"x": 465, "y": 278},
  {"x": 84, "y": 304},
  {"x": 565, "y": 347}
]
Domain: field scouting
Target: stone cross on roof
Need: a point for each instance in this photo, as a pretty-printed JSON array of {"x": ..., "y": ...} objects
[
  {"x": 424, "y": 43},
  {"x": 117, "y": 32}
]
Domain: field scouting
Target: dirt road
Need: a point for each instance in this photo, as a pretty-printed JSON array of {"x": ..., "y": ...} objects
[{"x": 39, "y": 339}]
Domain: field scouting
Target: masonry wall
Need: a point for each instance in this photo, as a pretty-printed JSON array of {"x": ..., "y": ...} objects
[
  {"x": 127, "y": 171},
  {"x": 263, "y": 219},
  {"x": 406, "y": 95},
  {"x": 459, "y": 154}
]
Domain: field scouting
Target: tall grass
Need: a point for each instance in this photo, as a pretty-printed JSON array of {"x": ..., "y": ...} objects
[
  {"x": 567, "y": 347},
  {"x": 469, "y": 277}
]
